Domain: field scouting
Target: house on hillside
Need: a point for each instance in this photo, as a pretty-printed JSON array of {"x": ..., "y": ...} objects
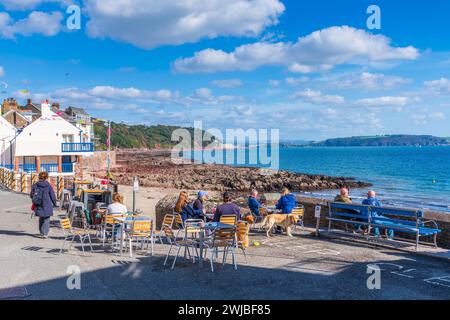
[
  {"x": 50, "y": 143},
  {"x": 82, "y": 120}
]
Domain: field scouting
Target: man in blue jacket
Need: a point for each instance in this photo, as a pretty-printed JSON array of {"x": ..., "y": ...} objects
[
  {"x": 254, "y": 204},
  {"x": 44, "y": 199},
  {"x": 287, "y": 201},
  {"x": 373, "y": 201}
]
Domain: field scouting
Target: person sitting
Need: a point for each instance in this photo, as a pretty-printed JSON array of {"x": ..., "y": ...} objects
[
  {"x": 343, "y": 196},
  {"x": 254, "y": 204},
  {"x": 287, "y": 202},
  {"x": 227, "y": 208},
  {"x": 185, "y": 209},
  {"x": 181, "y": 202},
  {"x": 373, "y": 201},
  {"x": 117, "y": 207},
  {"x": 202, "y": 196}
]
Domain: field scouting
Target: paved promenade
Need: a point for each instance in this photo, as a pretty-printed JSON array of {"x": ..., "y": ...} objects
[{"x": 301, "y": 268}]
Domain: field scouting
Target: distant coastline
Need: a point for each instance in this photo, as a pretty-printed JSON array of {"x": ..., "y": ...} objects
[{"x": 399, "y": 140}]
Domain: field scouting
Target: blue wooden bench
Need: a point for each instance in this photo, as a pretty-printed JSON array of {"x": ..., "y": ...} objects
[{"x": 398, "y": 219}]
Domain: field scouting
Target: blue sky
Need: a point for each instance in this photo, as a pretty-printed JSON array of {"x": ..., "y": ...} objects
[{"x": 309, "y": 68}]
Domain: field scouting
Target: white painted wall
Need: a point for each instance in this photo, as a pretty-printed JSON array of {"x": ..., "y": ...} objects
[
  {"x": 7, "y": 133},
  {"x": 44, "y": 136}
]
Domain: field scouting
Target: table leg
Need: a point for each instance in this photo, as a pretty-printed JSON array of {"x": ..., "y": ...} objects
[
  {"x": 121, "y": 238},
  {"x": 200, "y": 262}
]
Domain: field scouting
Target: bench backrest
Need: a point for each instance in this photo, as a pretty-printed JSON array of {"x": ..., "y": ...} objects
[
  {"x": 344, "y": 210},
  {"x": 338, "y": 209}
]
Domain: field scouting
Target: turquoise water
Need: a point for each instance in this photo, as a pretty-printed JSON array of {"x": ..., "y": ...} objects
[{"x": 403, "y": 176}]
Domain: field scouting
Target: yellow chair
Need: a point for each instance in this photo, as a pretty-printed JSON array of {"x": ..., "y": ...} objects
[
  {"x": 225, "y": 239},
  {"x": 72, "y": 233},
  {"x": 109, "y": 226},
  {"x": 228, "y": 219},
  {"x": 141, "y": 230},
  {"x": 190, "y": 241},
  {"x": 168, "y": 221},
  {"x": 298, "y": 213}
]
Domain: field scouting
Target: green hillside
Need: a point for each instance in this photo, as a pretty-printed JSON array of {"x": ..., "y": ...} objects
[
  {"x": 384, "y": 141},
  {"x": 138, "y": 136}
]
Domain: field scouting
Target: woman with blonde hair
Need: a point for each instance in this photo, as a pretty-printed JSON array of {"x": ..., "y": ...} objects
[
  {"x": 287, "y": 201},
  {"x": 117, "y": 207}
]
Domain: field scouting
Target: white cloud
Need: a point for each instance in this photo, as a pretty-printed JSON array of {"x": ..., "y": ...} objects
[
  {"x": 318, "y": 51},
  {"x": 295, "y": 81},
  {"x": 229, "y": 83},
  {"x": 274, "y": 83},
  {"x": 438, "y": 86},
  {"x": 367, "y": 80},
  {"x": 318, "y": 97},
  {"x": 46, "y": 24},
  {"x": 118, "y": 93},
  {"x": 151, "y": 23},
  {"x": 2, "y": 71},
  {"x": 422, "y": 119},
  {"x": 383, "y": 101}
]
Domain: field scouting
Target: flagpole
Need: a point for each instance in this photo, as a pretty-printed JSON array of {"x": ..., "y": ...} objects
[{"x": 108, "y": 143}]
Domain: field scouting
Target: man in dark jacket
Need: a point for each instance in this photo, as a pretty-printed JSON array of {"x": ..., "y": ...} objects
[
  {"x": 44, "y": 200},
  {"x": 227, "y": 208}
]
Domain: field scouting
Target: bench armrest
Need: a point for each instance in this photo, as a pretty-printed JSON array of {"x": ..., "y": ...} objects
[{"x": 433, "y": 222}]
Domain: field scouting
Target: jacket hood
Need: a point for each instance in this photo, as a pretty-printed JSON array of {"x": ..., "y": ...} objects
[{"x": 43, "y": 184}]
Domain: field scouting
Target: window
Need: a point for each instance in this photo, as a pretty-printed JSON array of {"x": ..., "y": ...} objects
[{"x": 68, "y": 138}]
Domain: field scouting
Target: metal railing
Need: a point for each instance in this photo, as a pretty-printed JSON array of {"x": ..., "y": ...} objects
[
  {"x": 67, "y": 167},
  {"x": 77, "y": 147}
]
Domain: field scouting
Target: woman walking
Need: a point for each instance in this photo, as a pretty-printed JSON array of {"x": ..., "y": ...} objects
[{"x": 44, "y": 199}]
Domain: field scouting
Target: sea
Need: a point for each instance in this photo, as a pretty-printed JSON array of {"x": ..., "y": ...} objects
[{"x": 415, "y": 177}]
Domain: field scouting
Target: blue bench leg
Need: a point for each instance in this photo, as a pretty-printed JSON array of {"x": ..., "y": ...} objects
[{"x": 417, "y": 241}]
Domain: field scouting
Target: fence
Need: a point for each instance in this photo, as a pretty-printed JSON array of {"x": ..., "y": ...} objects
[{"x": 21, "y": 181}]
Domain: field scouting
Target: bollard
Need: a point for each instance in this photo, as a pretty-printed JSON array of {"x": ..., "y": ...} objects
[
  {"x": 23, "y": 182},
  {"x": 13, "y": 181},
  {"x": 60, "y": 187},
  {"x": 33, "y": 178}
]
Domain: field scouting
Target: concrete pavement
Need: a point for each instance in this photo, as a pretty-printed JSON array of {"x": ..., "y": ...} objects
[{"x": 301, "y": 268}]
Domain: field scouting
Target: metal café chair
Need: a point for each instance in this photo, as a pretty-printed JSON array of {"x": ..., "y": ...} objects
[
  {"x": 223, "y": 240},
  {"x": 189, "y": 242},
  {"x": 72, "y": 233},
  {"x": 140, "y": 231}
]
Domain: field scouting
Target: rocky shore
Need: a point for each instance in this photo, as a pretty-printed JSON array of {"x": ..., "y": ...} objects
[{"x": 155, "y": 169}]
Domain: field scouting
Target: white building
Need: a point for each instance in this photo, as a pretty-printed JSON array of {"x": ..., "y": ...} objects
[
  {"x": 7, "y": 134},
  {"x": 50, "y": 144}
]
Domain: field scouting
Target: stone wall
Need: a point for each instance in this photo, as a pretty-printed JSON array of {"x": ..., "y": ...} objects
[{"x": 98, "y": 161}]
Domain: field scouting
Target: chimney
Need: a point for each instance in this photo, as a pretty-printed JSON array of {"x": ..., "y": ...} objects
[
  {"x": 45, "y": 109},
  {"x": 29, "y": 101}
]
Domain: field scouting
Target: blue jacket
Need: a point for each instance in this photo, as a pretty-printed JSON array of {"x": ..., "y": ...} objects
[
  {"x": 48, "y": 201},
  {"x": 254, "y": 205},
  {"x": 189, "y": 212},
  {"x": 287, "y": 203},
  {"x": 374, "y": 203}
]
